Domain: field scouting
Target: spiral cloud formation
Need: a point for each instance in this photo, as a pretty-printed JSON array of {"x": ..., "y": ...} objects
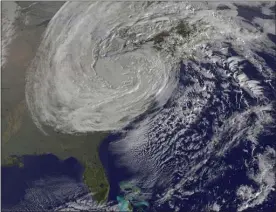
[
  {"x": 101, "y": 64},
  {"x": 92, "y": 74}
]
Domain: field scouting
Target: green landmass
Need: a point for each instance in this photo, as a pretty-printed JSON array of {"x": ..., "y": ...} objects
[
  {"x": 29, "y": 140},
  {"x": 13, "y": 161},
  {"x": 93, "y": 177}
]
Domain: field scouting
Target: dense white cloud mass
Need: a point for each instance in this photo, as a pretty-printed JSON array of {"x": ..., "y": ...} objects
[{"x": 89, "y": 76}]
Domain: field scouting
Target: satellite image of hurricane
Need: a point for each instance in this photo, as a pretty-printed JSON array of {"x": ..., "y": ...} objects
[{"x": 149, "y": 106}]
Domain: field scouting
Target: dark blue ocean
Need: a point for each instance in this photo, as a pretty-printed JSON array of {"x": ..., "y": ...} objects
[
  {"x": 55, "y": 175},
  {"x": 223, "y": 189}
]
